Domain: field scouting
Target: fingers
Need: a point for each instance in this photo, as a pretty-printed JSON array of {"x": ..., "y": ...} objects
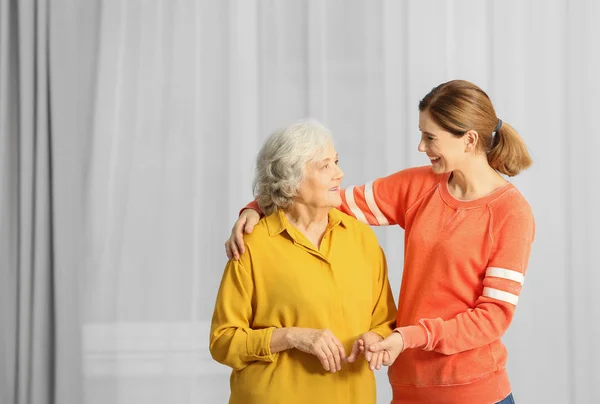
[
  {"x": 234, "y": 246},
  {"x": 376, "y": 347},
  {"x": 387, "y": 359},
  {"x": 368, "y": 353},
  {"x": 322, "y": 356},
  {"x": 228, "y": 250},
  {"x": 252, "y": 217},
  {"x": 379, "y": 360},
  {"x": 340, "y": 348},
  {"x": 390, "y": 348},
  {"x": 330, "y": 351},
  {"x": 327, "y": 357},
  {"x": 239, "y": 243},
  {"x": 334, "y": 357},
  {"x": 236, "y": 240},
  {"x": 355, "y": 352}
]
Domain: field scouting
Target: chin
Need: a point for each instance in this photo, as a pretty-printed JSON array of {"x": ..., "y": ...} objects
[
  {"x": 439, "y": 169},
  {"x": 336, "y": 202}
]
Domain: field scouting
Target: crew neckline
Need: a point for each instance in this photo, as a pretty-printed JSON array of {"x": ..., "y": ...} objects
[{"x": 455, "y": 203}]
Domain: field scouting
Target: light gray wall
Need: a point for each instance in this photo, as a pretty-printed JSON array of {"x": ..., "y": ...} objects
[{"x": 188, "y": 90}]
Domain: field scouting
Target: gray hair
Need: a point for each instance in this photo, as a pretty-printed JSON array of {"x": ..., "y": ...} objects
[{"x": 281, "y": 162}]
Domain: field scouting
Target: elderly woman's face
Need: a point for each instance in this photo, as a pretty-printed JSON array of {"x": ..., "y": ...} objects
[{"x": 321, "y": 185}]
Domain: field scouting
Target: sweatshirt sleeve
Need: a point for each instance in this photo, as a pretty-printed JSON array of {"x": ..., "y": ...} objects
[
  {"x": 512, "y": 236},
  {"x": 252, "y": 205},
  {"x": 386, "y": 200},
  {"x": 384, "y": 307},
  {"x": 232, "y": 341}
]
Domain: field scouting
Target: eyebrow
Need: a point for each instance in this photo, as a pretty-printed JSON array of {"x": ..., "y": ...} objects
[{"x": 426, "y": 133}]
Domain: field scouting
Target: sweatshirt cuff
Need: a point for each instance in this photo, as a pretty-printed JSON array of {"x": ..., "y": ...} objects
[
  {"x": 252, "y": 205},
  {"x": 414, "y": 336},
  {"x": 258, "y": 345}
]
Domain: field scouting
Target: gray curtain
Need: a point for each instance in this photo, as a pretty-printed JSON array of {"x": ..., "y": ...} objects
[{"x": 43, "y": 120}]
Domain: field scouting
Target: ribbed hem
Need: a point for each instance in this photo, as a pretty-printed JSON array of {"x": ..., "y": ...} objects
[{"x": 488, "y": 390}]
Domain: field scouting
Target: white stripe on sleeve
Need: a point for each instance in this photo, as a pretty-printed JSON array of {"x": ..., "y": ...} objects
[
  {"x": 353, "y": 206},
  {"x": 370, "y": 198},
  {"x": 505, "y": 274},
  {"x": 501, "y": 295}
]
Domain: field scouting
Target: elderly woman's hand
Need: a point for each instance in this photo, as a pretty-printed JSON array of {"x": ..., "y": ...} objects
[
  {"x": 234, "y": 246},
  {"x": 376, "y": 359},
  {"x": 320, "y": 343}
]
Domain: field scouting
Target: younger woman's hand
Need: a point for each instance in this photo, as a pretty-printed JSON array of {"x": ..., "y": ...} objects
[
  {"x": 376, "y": 359},
  {"x": 234, "y": 246},
  {"x": 393, "y": 345}
]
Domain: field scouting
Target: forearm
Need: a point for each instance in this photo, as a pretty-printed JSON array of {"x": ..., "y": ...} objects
[
  {"x": 469, "y": 330},
  {"x": 281, "y": 340}
]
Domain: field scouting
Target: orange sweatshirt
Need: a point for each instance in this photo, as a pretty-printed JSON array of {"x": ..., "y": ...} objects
[{"x": 464, "y": 266}]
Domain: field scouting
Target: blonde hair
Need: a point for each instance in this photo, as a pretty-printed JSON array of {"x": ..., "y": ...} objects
[{"x": 459, "y": 106}]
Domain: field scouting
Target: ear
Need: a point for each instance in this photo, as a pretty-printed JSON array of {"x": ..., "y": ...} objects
[{"x": 471, "y": 138}]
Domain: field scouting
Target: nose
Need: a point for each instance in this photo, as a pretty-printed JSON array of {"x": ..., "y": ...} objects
[
  {"x": 339, "y": 174},
  {"x": 421, "y": 146}
]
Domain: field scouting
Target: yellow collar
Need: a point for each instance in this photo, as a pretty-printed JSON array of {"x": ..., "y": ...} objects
[{"x": 278, "y": 222}]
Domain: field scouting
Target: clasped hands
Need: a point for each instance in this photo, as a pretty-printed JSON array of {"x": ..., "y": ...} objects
[{"x": 330, "y": 351}]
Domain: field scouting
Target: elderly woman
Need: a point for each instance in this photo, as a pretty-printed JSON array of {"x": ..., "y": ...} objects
[{"x": 311, "y": 286}]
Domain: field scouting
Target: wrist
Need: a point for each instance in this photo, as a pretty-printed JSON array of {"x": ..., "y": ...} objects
[
  {"x": 290, "y": 337},
  {"x": 399, "y": 338},
  {"x": 413, "y": 336}
]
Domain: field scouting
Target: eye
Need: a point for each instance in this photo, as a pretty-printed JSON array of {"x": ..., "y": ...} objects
[
  {"x": 336, "y": 162},
  {"x": 430, "y": 137}
]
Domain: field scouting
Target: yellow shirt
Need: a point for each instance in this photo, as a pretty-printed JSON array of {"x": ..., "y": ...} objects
[{"x": 283, "y": 280}]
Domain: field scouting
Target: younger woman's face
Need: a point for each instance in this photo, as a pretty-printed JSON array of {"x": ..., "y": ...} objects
[{"x": 446, "y": 151}]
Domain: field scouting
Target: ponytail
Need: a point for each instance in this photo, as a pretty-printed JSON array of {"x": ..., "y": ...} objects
[{"x": 508, "y": 154}]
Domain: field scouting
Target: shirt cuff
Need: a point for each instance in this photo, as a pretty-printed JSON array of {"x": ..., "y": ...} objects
[
  {"x": 414, "y": 336},
  {"x": 258, "y": 345}
]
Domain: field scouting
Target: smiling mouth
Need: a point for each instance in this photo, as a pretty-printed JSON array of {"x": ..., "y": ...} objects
[{"x": 334, "y": 189}]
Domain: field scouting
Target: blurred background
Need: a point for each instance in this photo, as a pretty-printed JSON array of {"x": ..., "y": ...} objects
[{"x": 128, "y": 133}]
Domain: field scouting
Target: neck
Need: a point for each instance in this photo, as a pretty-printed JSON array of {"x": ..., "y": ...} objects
[
  {"x": 307, "y": 218},
  {"x": 475, "y": 179}
]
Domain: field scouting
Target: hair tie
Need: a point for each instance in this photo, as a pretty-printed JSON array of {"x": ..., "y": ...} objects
[{"x": 497, "y": 128}]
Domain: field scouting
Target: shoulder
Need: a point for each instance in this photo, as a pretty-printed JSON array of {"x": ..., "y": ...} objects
[
  {"x": 359, "y": 229},
  {"x": 260, "y": 232},
  {"x": 511, "y": 210},
  {"x": 255, "y": 241},
  {"x": 511, "y": 203}
]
